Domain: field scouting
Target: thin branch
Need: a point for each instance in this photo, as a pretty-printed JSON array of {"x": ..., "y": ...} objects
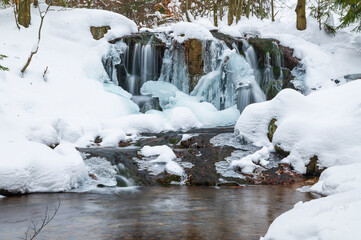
[
  {"x": 44, "y": 222},
  {"x": 33, "y": 52},
  {"x": 16, "y": 19}
]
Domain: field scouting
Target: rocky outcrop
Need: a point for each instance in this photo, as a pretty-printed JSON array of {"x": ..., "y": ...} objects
[
  {"x": 194, "y": 60},
  {"x": 99, "y": 32},
  {"x": 312, "y": 168},
  {"x": 272, "y": 127},
  {"x": 197, "y": 151}
]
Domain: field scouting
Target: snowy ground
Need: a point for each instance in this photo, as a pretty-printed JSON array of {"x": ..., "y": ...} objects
[{"x": 71, "y": 105}]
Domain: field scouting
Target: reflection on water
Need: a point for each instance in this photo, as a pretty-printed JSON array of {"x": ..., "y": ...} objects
[{"x": 152, "y": 213}]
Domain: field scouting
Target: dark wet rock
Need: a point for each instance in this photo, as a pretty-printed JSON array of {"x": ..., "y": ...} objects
[
  {"x": 228, "y": 184},
  {"x": 147, "y": 103},
  {"x": 203, "y": 172},
  {"x": 98, "y": 140},
  {"x": 124, "y": 143},
  {"x": 5, "y": 192},
  {"x": 262, "y": 46},
  {"x": 272, "y": 127},
  {"x": 99, "y": 32},
  {"x": 281, "y": 152},
  {"x": 166, "y": 179},
  {"x": 352, "y": 77},
  {"x": 197, "y": 151},
  {"x": 228, "y": 40},
  {"x": 194, "y": 59},
  {"x": 290, "y": 61},
  {"x": 312, "y": 168},
  {"x": 283, "y": 174}
]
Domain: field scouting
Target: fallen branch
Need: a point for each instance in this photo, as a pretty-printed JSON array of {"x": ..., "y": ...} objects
[
  {"x": 36, "y": 48},
  {"x": 44, "y": 222}
]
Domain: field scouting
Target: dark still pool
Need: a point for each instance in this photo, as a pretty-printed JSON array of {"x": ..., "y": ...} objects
[{"x": 152, "y": 213}]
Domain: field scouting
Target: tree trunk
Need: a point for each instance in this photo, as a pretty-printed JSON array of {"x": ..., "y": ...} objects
[
  {"x": 24, "y": 13},
  {"x": 221, "y": 10},
  {"x": 301, "y": 14},
  {"x": 319, "y": 15},
  {"x": 187, "y": 14},
  {"x": 239, "y": 10},
  {"x": 248, "y": 8},
  {"x": 215, "y": 12},
  {"x": 261, "y": 9},
  {"x": 230, "y": 12},
  {"x": 273, "y": 11},
  {"x": 36, "y": 3}
]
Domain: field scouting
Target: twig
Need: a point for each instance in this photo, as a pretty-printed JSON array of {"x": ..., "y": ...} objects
[
  {"x": 44, "y": 222},
  {"x": 15, "y": 15},
  {"x": 33, "y": 52}
]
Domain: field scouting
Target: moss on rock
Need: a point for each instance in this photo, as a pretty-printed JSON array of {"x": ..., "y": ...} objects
[{"x": 99, "y": 32}]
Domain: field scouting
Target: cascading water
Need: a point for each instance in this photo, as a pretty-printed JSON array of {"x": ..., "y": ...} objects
[
  {"x": 229, "y": 78},
  {"x": 174, "y": 68},
  {"x": 252, "y": 59},
  {"x": 130, "y": 65}
]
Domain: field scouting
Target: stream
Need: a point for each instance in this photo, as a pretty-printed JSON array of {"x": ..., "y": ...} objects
[{"x": 152, "y": 213}]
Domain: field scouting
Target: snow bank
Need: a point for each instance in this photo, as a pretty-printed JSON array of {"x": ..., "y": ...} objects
[
  {"x": 325, "y": 124},
  {"x": 338, "y": 179},
  {"x": 185, "y": 30},
  {"x": 332, "y": 218},
  {"x": 33, "y": 167}
]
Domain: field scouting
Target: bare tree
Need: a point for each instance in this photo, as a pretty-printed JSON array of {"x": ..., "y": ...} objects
[
  {"x": 34, "y": 230},
  {"x": 230, "y": 12},
  {"x": 36, "y": 48},
  {"x": 301, "y": 14}
]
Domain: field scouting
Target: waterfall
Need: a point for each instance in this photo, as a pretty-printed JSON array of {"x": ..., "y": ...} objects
[
  {"x": 252, "y": 59},
  {"x": 228, "y": 77},
  {"x": 129, "y": 65},
  {"x": 174, "y": 68},
  {"x": 231, "y": 83}
]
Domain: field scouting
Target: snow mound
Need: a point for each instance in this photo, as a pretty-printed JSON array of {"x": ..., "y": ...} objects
[
  {"x": 324, "y": 124},
  {"x": 164, "y": 159},
  {"x": 33, "y": 167},
  {"x": 189, "y": 111},
  {"x": 250, "y": 162},
  {"x": 332, "y": 218},
  {"x": 338, "y": 179},
  {"x": 185, "y": 30}
]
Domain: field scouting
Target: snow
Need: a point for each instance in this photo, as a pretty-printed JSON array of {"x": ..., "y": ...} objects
[
  {"x": 324, "y": 56},
  {"x": 188, "y": 111},
  {"x": 166, "y": 156},
  {"x": 33, "y": 167},
  {"x": 185, "y": 30},
  {"x": 332, "y": 218},
  {"x": 322, "y": 124},
  {"x": 250, "y": 162},
  {"x": 338, "y": 179},
  {"x": 74, "y": 103}
]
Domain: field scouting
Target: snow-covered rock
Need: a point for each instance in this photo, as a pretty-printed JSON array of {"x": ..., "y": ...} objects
[{"x": 33, "y": 167}]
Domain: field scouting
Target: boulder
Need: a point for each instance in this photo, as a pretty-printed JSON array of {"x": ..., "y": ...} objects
[
  {"x": 194, "y": 59},
  {"x": 99, "y": 32}
]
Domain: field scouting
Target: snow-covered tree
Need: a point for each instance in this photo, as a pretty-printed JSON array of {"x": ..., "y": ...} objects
[{"x": 351, "y": 10}]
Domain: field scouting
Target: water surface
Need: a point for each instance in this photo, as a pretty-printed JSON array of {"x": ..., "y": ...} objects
[{"x": 152, "y": 213}]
